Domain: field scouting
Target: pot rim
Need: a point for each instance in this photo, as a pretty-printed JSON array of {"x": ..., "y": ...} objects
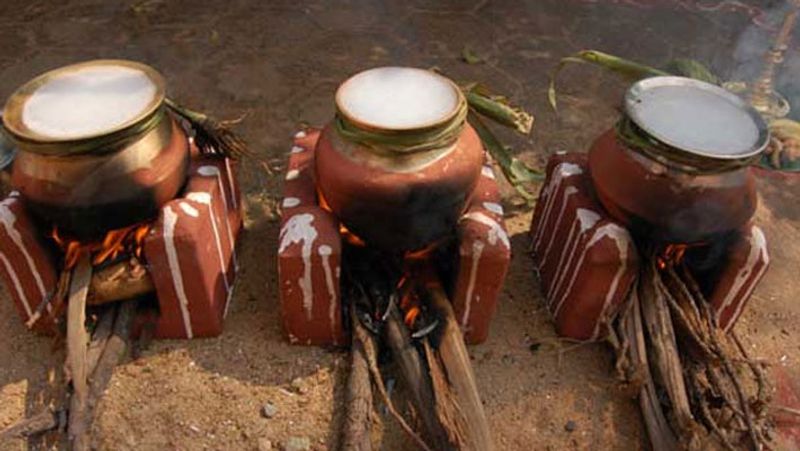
[
  {"x": 375, "y": 127},
  {"x": 12, "y": 111},
  {"x": 633, "y": 99}
]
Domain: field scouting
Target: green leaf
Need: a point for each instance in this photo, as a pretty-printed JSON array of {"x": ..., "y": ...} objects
[
  {"x": 470, "y": 57},
  {"x": 498, "y": 109},
  {"x": 692, "y": 69}
]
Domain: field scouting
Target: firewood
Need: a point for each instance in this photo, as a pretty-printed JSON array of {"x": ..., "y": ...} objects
[
  {"x": 99, "y": 337},
  {"x": 455, "y": 360},
  {"x": 37, "y": 424},
  {"x": 77, "y": 341},
  {"x": 661, "y": 435},
  {"x": 663, "y": 354},
  {"x": 415, "y": 378},
  {"x": 124, "y": 280},
  {"x": 356, "y": 431},
  {"x": 370, "y": 350},
  {"x": 115, "y": 349},
  {"x": 447, "y": 408}
]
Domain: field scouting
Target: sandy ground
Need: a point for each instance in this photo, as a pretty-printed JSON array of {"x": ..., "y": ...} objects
[{"x": 280, "y": 63}]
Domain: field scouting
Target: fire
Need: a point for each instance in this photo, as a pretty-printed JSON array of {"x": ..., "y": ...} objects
[
  {"x": 127, "y": 239},
  {"x": 351, "y": 237},
  {"x": 672, "y": 255}
]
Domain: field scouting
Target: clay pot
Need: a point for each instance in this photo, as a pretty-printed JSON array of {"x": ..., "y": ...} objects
[
  {"x": 395, "y": 202},
  {"x": 664, "y": 202}
]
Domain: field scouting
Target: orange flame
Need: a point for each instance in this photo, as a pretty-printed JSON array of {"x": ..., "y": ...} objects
[{"x": 127, "y": 239}]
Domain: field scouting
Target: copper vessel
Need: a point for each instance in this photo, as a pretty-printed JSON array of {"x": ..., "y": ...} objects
[{"x": 88, "y": 184}]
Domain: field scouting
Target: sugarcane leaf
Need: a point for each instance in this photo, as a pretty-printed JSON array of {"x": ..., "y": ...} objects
[
  {"x": 692, "y": 69},
  {"x": 470, "y": 57},
  {"x": 498, "y": 109},
  {"x": 628, "y": 69}
]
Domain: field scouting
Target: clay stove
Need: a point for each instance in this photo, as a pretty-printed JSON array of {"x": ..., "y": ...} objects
[{"x": 452, "y": 194}]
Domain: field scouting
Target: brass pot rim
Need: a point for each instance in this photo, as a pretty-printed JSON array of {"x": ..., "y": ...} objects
[
  {"x": 365, "y": 125},
  {"x": 12, "y": 111}
]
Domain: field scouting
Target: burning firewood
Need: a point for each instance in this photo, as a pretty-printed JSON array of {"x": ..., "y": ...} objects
[{"x": 77, "y": 343}]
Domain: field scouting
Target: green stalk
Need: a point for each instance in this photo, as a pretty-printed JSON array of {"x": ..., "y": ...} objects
[{"x": 499, "y": 110}]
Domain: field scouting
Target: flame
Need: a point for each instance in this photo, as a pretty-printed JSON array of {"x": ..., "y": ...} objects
[
  {"x": 127, "y": 239},
  {"x": 350, "y": 237}
]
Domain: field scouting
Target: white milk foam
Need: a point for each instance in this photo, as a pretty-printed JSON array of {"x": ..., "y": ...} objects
[
  {"x": 88, "y": 101},
  {"x": 397, "y": 98}
]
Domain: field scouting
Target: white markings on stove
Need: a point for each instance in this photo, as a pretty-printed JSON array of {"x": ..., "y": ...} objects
[
  {"x": 205, "y": 199},
  {"x": 299, "y": 230},
  {"x": 9, "y": 221},
  {"x": 477, "y": 250},
  {"x": 231, "y": 185},
  {"x": 300, "y": 134},
  {"x": 494, "y": 207},
  {"x": 325, "y": 252},
  {"x": 496, "y": 231},
  {"x": 292, "y": 174},
  {"x": 290, "y": 202},
  {"x": 569, "y": 191},
  {"x": 488, "y": 172},
  {"x": 562, "y": 171},
  {"x": 623, "y": 242},
  {"x": 189, "y": 210},
  {"x": 297, "y": 149},
  {"x": 584, "y": 220},
  {"x": 758, "y": 253},
  {"x": 170, "y": 220},
  {"x": 214, "y": 171}
]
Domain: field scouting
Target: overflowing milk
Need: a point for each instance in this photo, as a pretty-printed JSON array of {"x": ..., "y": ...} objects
[
  {"x": 397, "y": 98},
  {"x": 88, "y": 101}
]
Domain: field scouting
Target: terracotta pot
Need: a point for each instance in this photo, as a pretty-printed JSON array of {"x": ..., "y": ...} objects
[
  {"x": 86, "y": 195},
  {"x": 666, "y": 203},
  {"x": 398, "y": 202}
]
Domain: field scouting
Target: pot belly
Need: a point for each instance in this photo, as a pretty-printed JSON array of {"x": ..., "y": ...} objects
[
  {"x": 664, "y": 204},
  {"x": 395, "y": 208},
  {"x": 85, "y": 196}
]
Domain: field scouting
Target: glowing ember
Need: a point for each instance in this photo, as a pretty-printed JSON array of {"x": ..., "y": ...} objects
[{"x": 127, "y": 239}]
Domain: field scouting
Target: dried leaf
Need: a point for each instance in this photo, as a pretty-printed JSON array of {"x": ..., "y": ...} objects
[{"x": 470, "y": 57}]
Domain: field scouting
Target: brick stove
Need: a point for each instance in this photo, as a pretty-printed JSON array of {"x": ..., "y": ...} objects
[
  {"x": 189, "y": 253},
  {"x": 587, "y": 261},
  {"x": 310, "y": 256}
]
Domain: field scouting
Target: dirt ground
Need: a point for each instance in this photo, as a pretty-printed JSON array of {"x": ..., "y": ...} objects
[{"x": 280, "y": 62}]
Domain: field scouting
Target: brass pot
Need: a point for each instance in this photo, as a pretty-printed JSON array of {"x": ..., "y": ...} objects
[{"x": 87, "y": 185}]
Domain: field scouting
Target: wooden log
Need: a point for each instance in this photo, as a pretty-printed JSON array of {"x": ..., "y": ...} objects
[
  {"x": 124, "y": 280},
  {"x": 356, "y": 431},
  {"x": 77, "y": 341},
  {"x": 99, "y": 337},
  {"x": 662, "y": 438},
  {"x": 415, "y": 378},
  {"x": 455, "y": 360},
  {"x": 112, "y": 354},
  {"x": 37, "y": 424},
  {"x": 665, "y": 361}
]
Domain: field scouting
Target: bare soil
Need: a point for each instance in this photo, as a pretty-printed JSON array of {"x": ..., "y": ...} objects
[{"x": 280, "y": 62}]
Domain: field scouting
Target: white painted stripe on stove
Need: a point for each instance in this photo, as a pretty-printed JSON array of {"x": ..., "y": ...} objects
[
  {"x": 758, "y": 252},
  {"x": 608, "y": 230},
  {"x": 562, "y": 268},
  {"x": 205, "y": 199},
  {"x": 477, "y": 250},
  {"x": 300, "y": 134},
  {"x": 584, "y": 220},
  {"x": 214, "y": 171},
  {"x": 17, "y": 285},
  {"x": 560, "y": 172},
  {"x": 496, "y": 231},
  {"x": 189, "y": 210},
  {"x": 292, "y": 174},
  {"x": 232, "y": 185},
  {"x": 9, "y": 222},
  {"x": 290, "y": 202},
  {"x": 170, "y": 220},
  {"x": 325, "y": 252},
  {"x": 297, "y": 149},
  {"x": 623, "y": 242},
  {"x": 488, "y": 172},
  {"x": 494, "y": 207},
  {"x": 568, "y": 192},
  {"x": 299, "y": 230}
]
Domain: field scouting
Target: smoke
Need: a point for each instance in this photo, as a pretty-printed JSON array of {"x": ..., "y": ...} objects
[{"x": 751, "y": 48}]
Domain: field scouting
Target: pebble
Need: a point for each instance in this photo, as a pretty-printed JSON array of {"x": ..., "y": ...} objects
[
  {"x": 269, "y": 410},
  {"x": 297, "y": 444},
  {"x": 570, "y": 426},
  {"x": 299, "y": 387},
  {"x": 264, "y": 444}
]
